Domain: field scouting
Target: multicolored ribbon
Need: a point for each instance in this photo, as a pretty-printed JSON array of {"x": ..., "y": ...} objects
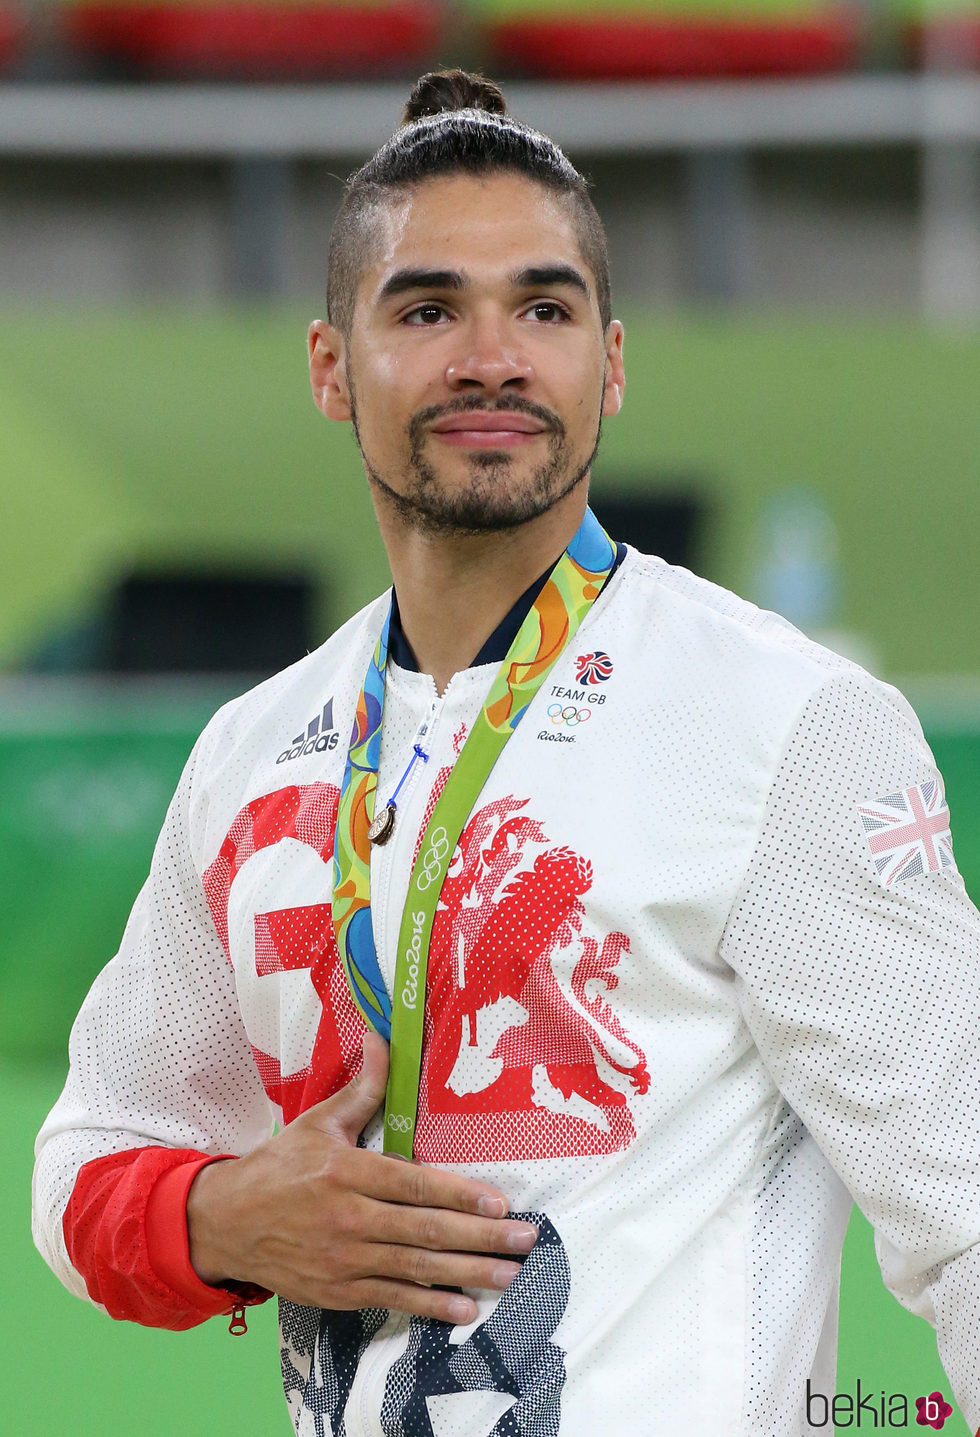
[
  {"x": 351, "y": 904},
  {"x": 552, "y": 621}
]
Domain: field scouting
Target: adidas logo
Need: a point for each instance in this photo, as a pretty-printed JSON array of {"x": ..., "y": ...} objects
[{"x": 319, "y": 736}]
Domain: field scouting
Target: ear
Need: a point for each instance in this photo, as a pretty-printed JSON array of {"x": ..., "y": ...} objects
[
  {"x": 615, "y": 382},
  {"x": 328, "y": 370}
]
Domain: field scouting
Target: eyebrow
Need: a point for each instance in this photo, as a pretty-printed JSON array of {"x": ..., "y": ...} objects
[
  {"x": 407, "y": 279},
  {"x": 548, "y": 276},
  {"x": 545, "y": 276}
]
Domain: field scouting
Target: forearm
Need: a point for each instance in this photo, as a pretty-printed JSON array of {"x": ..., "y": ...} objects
[{"x": 210, "y": 1236}]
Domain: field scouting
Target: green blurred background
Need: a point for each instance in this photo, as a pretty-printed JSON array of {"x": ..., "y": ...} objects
[{"x": 156, "y": 437}]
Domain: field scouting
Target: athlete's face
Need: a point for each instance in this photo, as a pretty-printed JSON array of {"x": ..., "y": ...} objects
[{"x": 477, "y": 369}]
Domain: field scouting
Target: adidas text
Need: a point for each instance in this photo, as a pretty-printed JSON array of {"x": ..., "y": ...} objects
[{"x": 312, "y": 745}]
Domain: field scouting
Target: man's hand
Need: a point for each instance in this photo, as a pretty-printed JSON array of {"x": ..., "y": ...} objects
[{"x": 325, "y": 1223}]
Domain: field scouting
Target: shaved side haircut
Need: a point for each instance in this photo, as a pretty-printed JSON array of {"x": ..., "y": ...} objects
[{"x": 454, "y": 123}]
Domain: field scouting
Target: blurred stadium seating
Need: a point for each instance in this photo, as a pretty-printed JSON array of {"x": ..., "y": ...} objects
[
  {"x": 298, "y": 40},
  {"x": 306, "y": 40},
  {"x": 654, "y": 39},
  {"x": 943, "y": 34},
  {"x": 11, "y": 33}
]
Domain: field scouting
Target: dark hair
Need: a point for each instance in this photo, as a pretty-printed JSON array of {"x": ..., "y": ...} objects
[{"x": 453, "y": 122}]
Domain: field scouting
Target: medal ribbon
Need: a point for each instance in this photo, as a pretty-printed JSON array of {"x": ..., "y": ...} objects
[{"x": 551, "y": 623}]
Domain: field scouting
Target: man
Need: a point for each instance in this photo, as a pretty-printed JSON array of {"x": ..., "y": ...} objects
[{"x": 670, "y": 887}]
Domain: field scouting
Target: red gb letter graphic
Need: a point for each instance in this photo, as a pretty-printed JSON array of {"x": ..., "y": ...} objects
[{"x": 304, "y": 1029}]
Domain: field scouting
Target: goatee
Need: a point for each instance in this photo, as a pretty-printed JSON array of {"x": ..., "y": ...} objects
[{"x": 492, "y": 502}]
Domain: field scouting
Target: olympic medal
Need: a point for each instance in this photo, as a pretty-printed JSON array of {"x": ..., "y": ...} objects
[{"x": 381, "y": 829}]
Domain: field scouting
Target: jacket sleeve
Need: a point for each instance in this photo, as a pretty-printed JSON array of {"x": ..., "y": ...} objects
[
  {"x": 161, "y": 1080},
  {"x": 855, "y": 949}
]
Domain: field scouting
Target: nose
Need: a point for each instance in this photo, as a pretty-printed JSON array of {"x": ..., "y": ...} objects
[{"x": 489, "y": 357}]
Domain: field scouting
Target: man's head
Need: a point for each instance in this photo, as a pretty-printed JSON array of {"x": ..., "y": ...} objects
[{"x": 469, "y": 339}]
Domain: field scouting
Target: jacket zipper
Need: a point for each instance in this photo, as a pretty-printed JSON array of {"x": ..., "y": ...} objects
[{"x": 381, "y": 873}]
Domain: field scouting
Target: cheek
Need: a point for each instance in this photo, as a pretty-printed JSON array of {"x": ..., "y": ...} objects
[
  {"x": 379, "y": 398},
  {"x": 394, "y": 388},
  {"x": 586, "y": 407}
]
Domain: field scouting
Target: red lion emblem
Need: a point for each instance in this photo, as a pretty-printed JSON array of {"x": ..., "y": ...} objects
[
  {"x": 516, "y": 1021},
  {"x": 523, "y": 1056}
]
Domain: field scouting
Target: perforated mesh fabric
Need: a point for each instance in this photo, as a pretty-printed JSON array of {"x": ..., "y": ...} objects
[
  {"x": 864, "y": 1003},
  {"x": 675, "y": 1007},
  {"x": 158, "y": 1052}
]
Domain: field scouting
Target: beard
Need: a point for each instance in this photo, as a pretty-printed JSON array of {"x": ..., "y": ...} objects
[{"x": 496, "y": 498}]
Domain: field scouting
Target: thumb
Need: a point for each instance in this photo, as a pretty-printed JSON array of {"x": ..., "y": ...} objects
[{"x": 354, "y": 1105}]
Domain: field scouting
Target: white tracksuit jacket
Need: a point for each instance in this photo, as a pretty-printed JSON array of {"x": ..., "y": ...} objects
[{"x": 703, "y": 972}]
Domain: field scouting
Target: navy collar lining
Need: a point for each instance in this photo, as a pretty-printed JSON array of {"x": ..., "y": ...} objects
[{"x": 494, "y": 651}]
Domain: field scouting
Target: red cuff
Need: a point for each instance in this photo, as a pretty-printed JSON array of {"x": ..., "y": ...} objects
[
  {"x": 167, "y": 1243},
  {"x": 125, "y": 1229}
]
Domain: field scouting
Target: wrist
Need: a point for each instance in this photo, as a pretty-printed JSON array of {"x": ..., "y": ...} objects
[{"x": 207, "y": 1228}]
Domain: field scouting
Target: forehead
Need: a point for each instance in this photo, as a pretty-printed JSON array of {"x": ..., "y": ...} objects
[{"x": 489, "y": 226}]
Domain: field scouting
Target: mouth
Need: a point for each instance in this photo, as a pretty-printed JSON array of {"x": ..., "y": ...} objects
[{"x": 499, "y": 429}]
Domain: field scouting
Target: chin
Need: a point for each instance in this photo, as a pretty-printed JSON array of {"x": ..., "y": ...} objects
[
  {"x": 490, "y": 499},
  {"x": 485, "y": 509}
]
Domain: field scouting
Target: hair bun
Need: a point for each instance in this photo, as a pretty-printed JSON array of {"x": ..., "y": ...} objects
[{"x": 443, "y": 90}]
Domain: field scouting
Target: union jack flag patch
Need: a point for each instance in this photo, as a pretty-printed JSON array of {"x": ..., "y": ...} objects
[{"x": 908, "y": 832}]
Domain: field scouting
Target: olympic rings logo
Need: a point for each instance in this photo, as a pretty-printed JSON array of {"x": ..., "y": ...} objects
[
  {"x": 399, "y": 1123},
  {"x": 432, "y": 859},
  {"x": 569, "y": 716}
]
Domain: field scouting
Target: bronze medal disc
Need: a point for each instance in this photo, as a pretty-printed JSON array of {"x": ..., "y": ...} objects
[{"x": 384, "y": 822}]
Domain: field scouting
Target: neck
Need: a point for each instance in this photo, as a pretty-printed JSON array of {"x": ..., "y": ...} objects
[{"x": 453, "y": 590}]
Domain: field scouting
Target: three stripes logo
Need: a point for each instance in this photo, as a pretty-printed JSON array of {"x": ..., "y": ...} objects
[{"x": 320, "y": 735}]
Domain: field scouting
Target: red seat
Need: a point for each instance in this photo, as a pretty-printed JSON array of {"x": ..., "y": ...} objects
[
  {"x": 635, "y": 47},
  {"x": 949, "y": 40},
  {"x": 11, "y": 30},
  {"x": 256, "y": 41}
]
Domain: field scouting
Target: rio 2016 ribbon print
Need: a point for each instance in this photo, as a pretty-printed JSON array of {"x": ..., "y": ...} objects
[{"x": 571, "y": 589}]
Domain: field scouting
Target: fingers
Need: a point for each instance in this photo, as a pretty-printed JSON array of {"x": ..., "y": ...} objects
[
  {"x": 352, "y": 1108},
  {"x": 383, "y": 1178},
  {"x": 452, "y": 1307},
  {"x": 431, "y": 1248},
  {"x": 425, "y": 1268},
  {"x": 325, "y": 1223},
  {"x": 441, "y": 1231},
  {"x": 352, "y": 1266}
]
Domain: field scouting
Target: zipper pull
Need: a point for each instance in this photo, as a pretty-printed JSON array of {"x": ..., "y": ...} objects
[{"x": 238, "y": 1326}]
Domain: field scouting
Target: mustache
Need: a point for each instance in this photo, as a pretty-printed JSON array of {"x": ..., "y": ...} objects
[{"x": 474, "y": 404}]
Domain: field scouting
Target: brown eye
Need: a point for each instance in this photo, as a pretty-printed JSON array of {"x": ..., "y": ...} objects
[
  {"x": 427, "y": 314},
  {"x": 547, "y": 310}
]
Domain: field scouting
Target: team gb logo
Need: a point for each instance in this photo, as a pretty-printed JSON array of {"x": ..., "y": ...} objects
[{"x": 593, "y": 668}]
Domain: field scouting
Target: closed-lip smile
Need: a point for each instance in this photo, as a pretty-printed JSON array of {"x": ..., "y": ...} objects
[{"x": 503, "y": 426}]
